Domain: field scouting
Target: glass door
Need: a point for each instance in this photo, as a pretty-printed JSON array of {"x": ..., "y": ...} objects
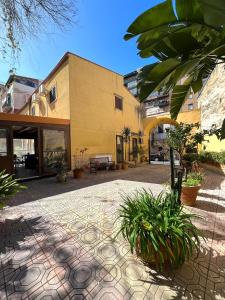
[{"x": 54, "y": 149}]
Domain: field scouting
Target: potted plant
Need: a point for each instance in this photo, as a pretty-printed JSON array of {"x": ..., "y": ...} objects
[
  {"x": 125, "y": 165},
  {"x": 8, "y": 187},
  {"x": 78, "y": 171},
  {"x": 190, "y": 188},
  {"x": 158, "y": 229},
  {"x": 126, "y": 134},
  {"x": 58, "y": 164}
]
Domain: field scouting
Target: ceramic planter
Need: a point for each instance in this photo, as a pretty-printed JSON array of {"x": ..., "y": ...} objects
[
  {"x": 152, "y": 259},
  {"x": 119, "y": 166},
  {"x": 189, "y": 195},
  {"x": 78, "y": 173},
  {"x": 61, "y": 178},
  {"x": 125, "y": 166}
]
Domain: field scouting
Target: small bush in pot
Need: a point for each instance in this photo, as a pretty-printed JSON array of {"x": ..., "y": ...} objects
[
  {"x": 158, "y": 228},
  {"x": 78, "y": 171},
  {"x": 190, "y": 188},
  {"x": 8, "y": 187},
  {"x": 58, "y": 164}
]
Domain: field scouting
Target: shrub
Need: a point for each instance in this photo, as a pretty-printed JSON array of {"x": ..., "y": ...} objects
[
  {"x": 193, "y": 179},
  {"x": 159, "y": 226},
  {"x": 204, "y": 156},
  {"x": 8, "y": 187}
]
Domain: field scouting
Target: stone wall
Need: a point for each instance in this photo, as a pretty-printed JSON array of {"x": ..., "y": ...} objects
[{"x": 212, "y": 99}]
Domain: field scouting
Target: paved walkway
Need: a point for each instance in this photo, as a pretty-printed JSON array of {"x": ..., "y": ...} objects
[{"x": 58, "y": 244}]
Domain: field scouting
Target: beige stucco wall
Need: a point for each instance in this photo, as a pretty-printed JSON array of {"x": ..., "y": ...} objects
[
  {"x": 94, "y": 120},
  {"x": 212, "y": 101}
]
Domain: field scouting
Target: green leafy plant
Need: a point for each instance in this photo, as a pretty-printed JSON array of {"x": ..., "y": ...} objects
[
  {"x": 187, "y": 39},
  {"x": 58, "y": 164},
  {"x": 193, "y": 179},
  {"x": 126, "y": 134},
  {"x": 158, "y": 228},
  {"x": 8, "y": 187},
  {"x": 205, "y": 156}
]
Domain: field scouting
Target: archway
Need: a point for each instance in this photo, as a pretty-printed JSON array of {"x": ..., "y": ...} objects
[{"x": 150, "y": 125}]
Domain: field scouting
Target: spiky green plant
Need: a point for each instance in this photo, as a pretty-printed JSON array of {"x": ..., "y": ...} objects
[
  {"x": 8, "y": 187},
  {"x": 158, "y": 228},
  {"x": 193, "y": 179}
]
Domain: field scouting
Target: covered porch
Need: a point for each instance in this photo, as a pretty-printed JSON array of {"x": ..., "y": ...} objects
[{"x": 28, "y": 143}]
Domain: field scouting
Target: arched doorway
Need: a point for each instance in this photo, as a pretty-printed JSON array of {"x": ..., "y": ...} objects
[{"x": 155, "y": 135}]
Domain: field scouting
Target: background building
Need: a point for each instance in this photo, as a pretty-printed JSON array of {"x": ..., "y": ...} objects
[
  {"x": 17, "y": 91},
  {"x": 158, "y": 105},
  {"x": 95, "y": 101}
]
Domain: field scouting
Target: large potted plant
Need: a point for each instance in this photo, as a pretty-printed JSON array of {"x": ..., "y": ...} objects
[
  {"x": 190, "y": 188},
  {"x": 58, "y": 164},
  {"x": 126, "y": 134},
  {"x": 158, "y": 229},
  {"x": 8, "y": 187},
  {"x": 78, "y": 171}
]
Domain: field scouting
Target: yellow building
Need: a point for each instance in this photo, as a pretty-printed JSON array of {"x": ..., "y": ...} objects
[{"x": 95, "y": 101}]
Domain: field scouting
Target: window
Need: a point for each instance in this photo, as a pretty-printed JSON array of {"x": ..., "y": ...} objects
[
  {"x": 9, "y": 100},
  {"x": 3, "y": 142},
  {"x": 190, "y": 106},
  {"x": 132, "y": 84},
  {"x": 118, "y": 103},
  {"x": 190, "y": 96},
  {"x": 134, "y": 91},
  {"x": 33, "y": 111},
  {"x": 52, "y": 94}
]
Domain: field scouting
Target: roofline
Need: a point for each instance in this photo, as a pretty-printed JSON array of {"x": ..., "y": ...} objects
[
  {"x": 4, "y": 117},
  {"x": 94, "y": 63},
  {"x": 60, "y": 63},
  {"x": 19, "y": 76}
]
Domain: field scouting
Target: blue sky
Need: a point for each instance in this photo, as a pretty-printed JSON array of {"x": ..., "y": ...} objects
[{"x": 96, "y": 35}]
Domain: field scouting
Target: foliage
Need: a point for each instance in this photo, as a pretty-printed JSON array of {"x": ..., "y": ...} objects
[
  {"x": 186, "y": 137},
  {"x": 126, "y": 134},
  {"x": 204, "y": 156},
  {"x": 27, "y": 18},
  {"x": 160, "y": 225},
  {"x": 58, "y": 163},
  {"x": 79, "y": 159},
  {"x": 188, "y": 40},
  {"x": 8, "y": 187},
  {"x": 193, "y": 179}
]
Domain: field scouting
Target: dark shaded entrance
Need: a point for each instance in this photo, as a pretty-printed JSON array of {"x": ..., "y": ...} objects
[
  {"x": 119, "y": 149},
  {"x": 28, "y": 144}
]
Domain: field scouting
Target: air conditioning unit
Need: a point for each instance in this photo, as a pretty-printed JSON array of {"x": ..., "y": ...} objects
[
  {"x": 42, "y": 90},
  {"x": 35, "y": 98}
]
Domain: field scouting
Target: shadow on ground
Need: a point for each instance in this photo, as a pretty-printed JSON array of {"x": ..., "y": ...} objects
[{"x": 46, "y": 187}]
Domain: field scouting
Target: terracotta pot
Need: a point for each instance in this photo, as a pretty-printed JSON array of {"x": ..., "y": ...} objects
[
  {"x": 152, "y": 259},
  {"x": 78, "y": 173},
  {"x": 189, "y": 195},
  {"x": 119, "y": 166},
  {"x": 61, "y": 178},
  {"x": 125, "y": 166}
]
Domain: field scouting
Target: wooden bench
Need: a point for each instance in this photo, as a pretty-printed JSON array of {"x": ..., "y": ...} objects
[{"x": 101, "y": 163}]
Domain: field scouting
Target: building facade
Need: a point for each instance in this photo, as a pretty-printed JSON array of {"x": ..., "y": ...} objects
[
  {"x": 157, "y": 105},
  {"x": 212, "y": 102},
  {"x": 95, "y": 101},
  {"x": 16, "y": 93}
]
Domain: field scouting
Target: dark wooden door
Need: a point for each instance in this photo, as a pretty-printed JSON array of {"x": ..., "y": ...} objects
[
  {"x": 119, "y": 149},
  {"x": 135, "y": 148}
]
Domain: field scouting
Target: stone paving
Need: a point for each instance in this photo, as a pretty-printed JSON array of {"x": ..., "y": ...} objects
[{"x": 56, "y": 242}]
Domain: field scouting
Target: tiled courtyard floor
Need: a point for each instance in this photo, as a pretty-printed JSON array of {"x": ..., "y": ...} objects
[{"x": 56, "y": 242}]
